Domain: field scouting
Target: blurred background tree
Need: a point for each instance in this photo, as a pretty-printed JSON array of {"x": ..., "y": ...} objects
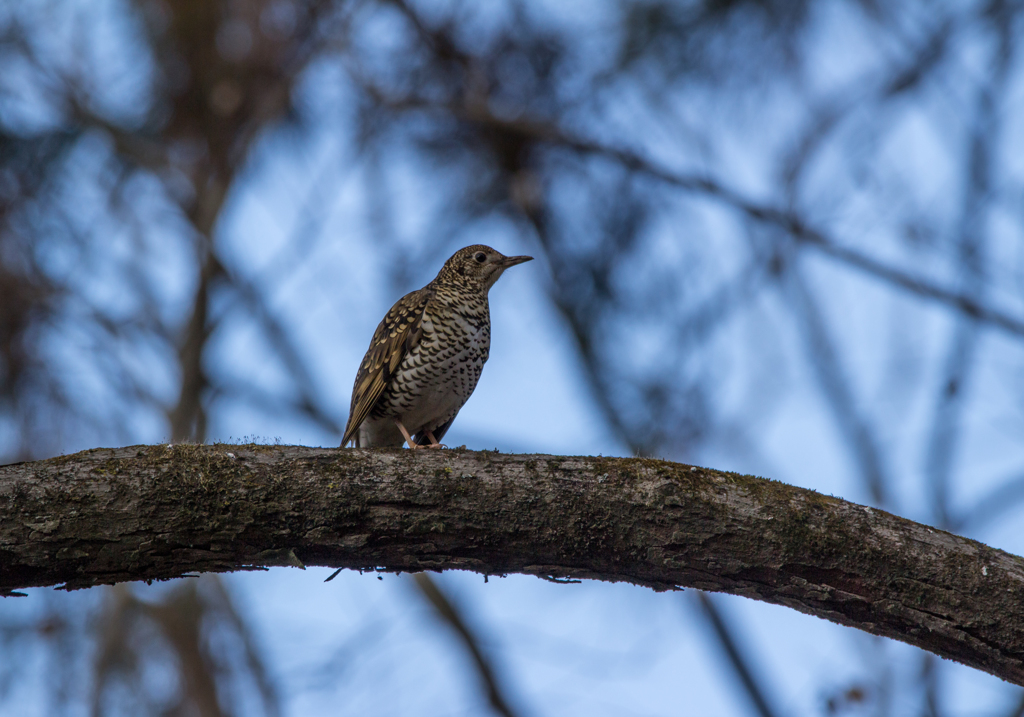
[{"x": 781, "y": 238}]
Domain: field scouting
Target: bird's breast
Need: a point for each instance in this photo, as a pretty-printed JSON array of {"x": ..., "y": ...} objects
[{"x": 438, "y": 375}]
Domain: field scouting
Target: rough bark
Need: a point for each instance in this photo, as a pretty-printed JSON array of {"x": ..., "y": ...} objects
[{"x": 157, "y": 512}]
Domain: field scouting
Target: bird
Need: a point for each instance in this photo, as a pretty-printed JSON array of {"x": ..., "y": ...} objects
[{"x": 426, "y": 355}]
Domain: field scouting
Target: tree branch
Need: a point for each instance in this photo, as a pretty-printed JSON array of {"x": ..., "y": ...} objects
[{"x": 158, "y": 512}]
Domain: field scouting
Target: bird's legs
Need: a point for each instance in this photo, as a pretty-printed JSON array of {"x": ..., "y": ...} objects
[
  {"x": 412, "y": 444},
  {"x": 405, "y": 433}
]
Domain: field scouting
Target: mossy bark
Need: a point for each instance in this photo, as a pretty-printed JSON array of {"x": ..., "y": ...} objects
[{"x": 158, "y": 512}]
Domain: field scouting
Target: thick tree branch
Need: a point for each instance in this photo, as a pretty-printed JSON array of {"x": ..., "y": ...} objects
[{"x": 156, "y": 512}]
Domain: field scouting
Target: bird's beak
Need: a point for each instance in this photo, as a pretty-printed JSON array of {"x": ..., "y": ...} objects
[{"x": 513, "y": 260}]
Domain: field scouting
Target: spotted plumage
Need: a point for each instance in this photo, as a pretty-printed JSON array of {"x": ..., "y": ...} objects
[{"x": 426, "y": 355}]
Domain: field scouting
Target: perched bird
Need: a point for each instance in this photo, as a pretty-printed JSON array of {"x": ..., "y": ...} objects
[{"x": 426, "y": 355}]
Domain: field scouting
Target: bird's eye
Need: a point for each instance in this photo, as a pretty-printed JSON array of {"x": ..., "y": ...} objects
[{"x": 480, "y": 257}]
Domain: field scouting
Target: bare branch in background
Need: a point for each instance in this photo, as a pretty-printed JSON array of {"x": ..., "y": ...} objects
[
  {"x": 972, "y": 250},
  {"x": 735, "y": 654},
  {"x": 525, "y": 131},
  {"x": 835, "y": 385},
  {"x": 217, "y": 670},
  {"x": 447, "y": 611},
  {"x": 188, "y": 417}
]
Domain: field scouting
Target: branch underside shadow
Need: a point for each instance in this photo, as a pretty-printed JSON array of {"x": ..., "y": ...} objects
[{"x": 157, "y": 512}]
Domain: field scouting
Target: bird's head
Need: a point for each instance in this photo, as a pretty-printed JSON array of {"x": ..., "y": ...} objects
[{"x": 478, "y": 266}]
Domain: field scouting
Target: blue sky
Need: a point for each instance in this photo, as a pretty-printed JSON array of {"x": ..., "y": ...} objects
[{"x": 300, "y": 224}]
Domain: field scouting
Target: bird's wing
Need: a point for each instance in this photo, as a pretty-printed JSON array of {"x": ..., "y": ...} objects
[{"x": 397, "y": 334}]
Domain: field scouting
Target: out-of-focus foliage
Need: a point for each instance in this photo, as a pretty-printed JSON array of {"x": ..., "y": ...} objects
[{"x": 747, "y": 210}]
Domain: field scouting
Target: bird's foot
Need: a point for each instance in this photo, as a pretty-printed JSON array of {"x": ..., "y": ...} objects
[{"x": 412, "y": 443}]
